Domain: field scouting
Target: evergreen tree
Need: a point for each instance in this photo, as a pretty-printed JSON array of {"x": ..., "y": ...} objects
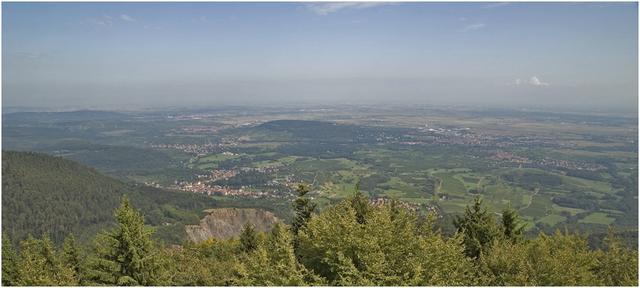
[
  {"x": 561, "y": 259},
  {"x": 203, "y": 264},
  {"x": 248, "y": 238},
  {"x": 9, "y": 262},
  {"x": 386, "y": 250},
  {"x": 126, "y": 255},
  {"x": 618, "y": 265},
  {"x": 426, "y": 226},
  {"x": 273, "y": 263},
  {"x": 478, "y": 227},
  {"x": 360, "y": 204},
  {"x": 70, "y": 256},
  {"x": 512, "y": 227},
  {"x": 507, "y": 263},
  {"x": 303, "y": 209},
  {"x": 40, "y": 266},
  {"x": 548, "y": 260},
  {"x": 32, "y": 268}
]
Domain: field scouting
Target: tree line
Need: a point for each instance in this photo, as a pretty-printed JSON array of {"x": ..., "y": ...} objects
[{"x": 351, "y": 243}]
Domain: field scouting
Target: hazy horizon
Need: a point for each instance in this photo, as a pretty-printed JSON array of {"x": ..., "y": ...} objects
[{"x": 575, "y": 56}]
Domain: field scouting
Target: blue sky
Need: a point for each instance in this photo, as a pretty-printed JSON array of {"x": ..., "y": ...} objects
[{"x": 111, "y": 55}]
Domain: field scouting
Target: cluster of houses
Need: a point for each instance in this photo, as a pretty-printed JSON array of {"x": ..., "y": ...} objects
[{"x": 503, "y": 156}]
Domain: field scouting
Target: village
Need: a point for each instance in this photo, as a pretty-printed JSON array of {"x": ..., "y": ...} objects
[{"x": 508, "y": 157}]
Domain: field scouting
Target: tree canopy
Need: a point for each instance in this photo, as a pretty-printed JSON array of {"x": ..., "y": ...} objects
[{"x": 386, "y": 246}]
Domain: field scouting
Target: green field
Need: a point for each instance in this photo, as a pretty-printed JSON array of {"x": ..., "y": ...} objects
[
  {"x": 598, "y": 218},
  {"x": 212, "y": 161},
  {"x": 552, "y": 219}
]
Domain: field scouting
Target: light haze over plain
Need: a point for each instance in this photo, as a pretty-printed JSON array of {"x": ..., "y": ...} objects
[{"x": 119, "y": 55}]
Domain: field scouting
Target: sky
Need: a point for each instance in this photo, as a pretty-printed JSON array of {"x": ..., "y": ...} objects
[{"x": 120, "y": 55}]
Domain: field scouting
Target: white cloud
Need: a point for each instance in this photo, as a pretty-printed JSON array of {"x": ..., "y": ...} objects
[
  {"x": 533, "y": 81},
  {"x": 128, "y": 18},
  {"x": 98, "y": 22},
  {"x": 496, "y": 5},
  {"x": 105, "y": 20},
  {"x": 331, "y": 7},
  {"x": 473, "y": 27},
  {"x": 536, "y": 82}
]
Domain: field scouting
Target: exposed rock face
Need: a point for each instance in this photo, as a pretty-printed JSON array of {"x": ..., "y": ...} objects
[{"x": 225, "y": 223}]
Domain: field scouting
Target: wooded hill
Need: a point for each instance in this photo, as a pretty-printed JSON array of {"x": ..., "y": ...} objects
[{"x": 42, "y": 194}]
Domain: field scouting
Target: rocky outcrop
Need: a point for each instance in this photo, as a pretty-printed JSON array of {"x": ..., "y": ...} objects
[{"x": 225, "y": 223}]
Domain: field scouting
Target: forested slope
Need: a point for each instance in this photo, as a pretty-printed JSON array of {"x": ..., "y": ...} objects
[{"x": 46, "y": 194}]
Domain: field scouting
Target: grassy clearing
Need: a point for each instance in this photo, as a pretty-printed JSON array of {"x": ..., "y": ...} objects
[
  {"x": 598, "y": 218},
  {"x": 469, "y": 182},
  {"x": 552, "y": 219},
  {"x": 396, "y": 187},
  {"x": 338, "y": 190},
  {"x": 572, "y": 211},
  {"x": 540, "y": 207},
  {"x": 501, "y": 195},
  {"x": 613, "y": 211},
  {"x": 597, "y": 186},
  {"x": 450, "y": 185}
]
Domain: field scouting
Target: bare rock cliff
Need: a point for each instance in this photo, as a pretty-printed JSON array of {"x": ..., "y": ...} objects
[{"x": 225, "y": 223}]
